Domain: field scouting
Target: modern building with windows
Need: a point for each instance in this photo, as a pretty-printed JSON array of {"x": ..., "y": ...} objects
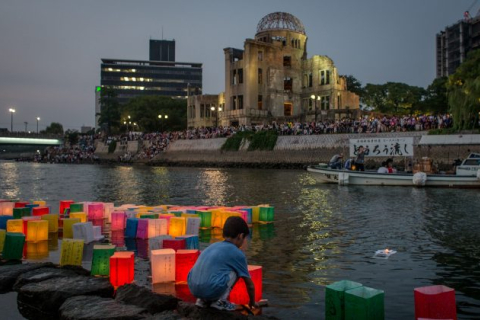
[
  {"x": 162, "y": 50},
  {"x": 271, "y": 79}
]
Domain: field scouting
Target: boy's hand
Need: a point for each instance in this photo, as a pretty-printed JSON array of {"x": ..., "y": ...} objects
[{"x": 253, "y": 305}]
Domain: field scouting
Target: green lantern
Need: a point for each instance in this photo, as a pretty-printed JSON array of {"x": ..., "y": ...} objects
[
  {"x": 266, "y": 214},
  {"x": 13, "y": 248},
  {"x": 364, "y": 303},
  {"x": 205, "y": 219},
  {"x": 101, "y": 259},
  {"x": 335, "y": 298},
  {"x": 76, "y": 207}
]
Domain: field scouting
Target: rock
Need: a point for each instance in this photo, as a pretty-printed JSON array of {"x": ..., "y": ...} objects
[
  {"x": 77, "y": 269},
  {"x": 98, "y": 308},
  {"x": 41, "y": 274},
  {"x": 41, "y": 300},
  {"x": 10, "y": 273},
  {"x": 144, "y": 298},
  {"x": 165, "y": 315},
  {"x": 191, "y": 311}
]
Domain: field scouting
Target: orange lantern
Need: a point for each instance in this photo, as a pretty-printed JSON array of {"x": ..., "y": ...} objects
[
  {"x": 122, "y": 269},
  {"x": 184, "y": 261},
  {"x": 79, "y": 215},
  {"x": 25, "y": 222},
  {"x": 37, "y": 230},
  {"x": 15, "y": 225},
  {"x": 6, "y": 208},
  {"x": 239, "y": 294},
  {"x": 177, "y": 227}
]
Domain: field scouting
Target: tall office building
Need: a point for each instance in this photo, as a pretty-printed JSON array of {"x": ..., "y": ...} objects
[
  {"x": 454, "y": 43},
  {"x": 162, "y": 50}
]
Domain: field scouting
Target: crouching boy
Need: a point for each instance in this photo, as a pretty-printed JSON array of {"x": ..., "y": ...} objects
[{"x": 220, "y": 266}]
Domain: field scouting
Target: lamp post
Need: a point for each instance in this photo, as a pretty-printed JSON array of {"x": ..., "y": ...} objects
[
  {"x": 160, "y": 116},
  {"x": 315, "y": 98},
  {"x": 216, "y": 110},
  {"x": 38, "y": 119},
  {"x": 12, "y": 111}
]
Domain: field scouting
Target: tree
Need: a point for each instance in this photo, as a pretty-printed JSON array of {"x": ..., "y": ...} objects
[
  {"x": 71, "y": 136},
  {"x": 53, "y": 128},
  {"x": 393, "y": 97},
  {"x": 436, "y": 97},
  {"x": 375, "y": 97},
  {"x": 463, "y": 92},
  {"x": 110, "y": 110},
  {"x": 353, "y": 85}
]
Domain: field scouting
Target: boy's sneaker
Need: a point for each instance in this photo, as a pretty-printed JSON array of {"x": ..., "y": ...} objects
[
  {"x": 223, "y": 305},
  {"x": 202, "y": 303}
]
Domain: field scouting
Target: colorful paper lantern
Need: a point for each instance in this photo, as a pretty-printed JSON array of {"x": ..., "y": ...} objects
[
  {"x": 37, "y": 230},
  {"x": 177, "y": 227},
  {"x": 335, "y": 298},
  {"x": 175, "y": 244},
  {"x": 184, "y": 261},
  {"x": 68, "y": 227},
  {"x": 191, "y": 241},
  {"x": 18, "y": 213},
  {"x": 118, "y": 220},
  {"x": 26, "y": 220},
  {"x": 142, "y": 229},
  {"x": 83, "y": 230},
  {"x": 239, "y": 294},
  {"x": 163, "y": 265},
  {"x": 156, "y": 243},
  {"x": 76, "y": 207},
  {"x": 64, "y": 204},
  {"x": 217, "y": 221},
  {"x": 6, "y": 208},
  {"x": 266, "y": 214},
  {"x": 36, "y": 250},
  {"x": 436, "y": 302},
  {"x": 95, "y": 211},
  {"x": 157, "y": 227},
  {"x": 41, "y": 203},
  {"x": 3, "y": 221},
  {"x": 39, "y": 211},
  {"x": 71, "y": 252},
  {"x": 122, "y": 268},
  {"x": 364, "y": 303},
  {"x": 166, "y": 216},
  {"x": 13, "y": 247},
  {"x": 205, "y": 218},
  {"x": 79, "y": 215},
  {"x": 193, "y": 225},
  {"x": 108, "y": 208},
  {"x": 52, "y": 222},
  {"x": 15, "y": 225},
  {"x": 117, "y": 237},
  {"x": 255, "y": 214},
  {"x": 131, "y": 228},
  {"x": 101, "y": 259},
  {"x": 20, "y": 204},
  {"x": 3, "y": 233},
  {"x": 97, "y": 233}
]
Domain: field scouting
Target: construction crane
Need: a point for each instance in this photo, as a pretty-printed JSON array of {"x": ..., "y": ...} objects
[{"x": 466, "y": 14}]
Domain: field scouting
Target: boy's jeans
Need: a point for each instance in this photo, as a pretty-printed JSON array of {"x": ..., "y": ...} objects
[{"x": 230, "y": 284}]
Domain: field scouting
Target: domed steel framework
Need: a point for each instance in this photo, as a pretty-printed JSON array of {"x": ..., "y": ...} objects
[{"x": 280, "y": 21}]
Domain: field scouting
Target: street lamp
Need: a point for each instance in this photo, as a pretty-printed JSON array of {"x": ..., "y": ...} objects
[
  {"x": 216, "y": 110},
  {"x": 12, "y": 111},
  {"x": 38, "y": 119},
  {"x": 315, "y": 98},
  {"x": 160, "y": 117}
]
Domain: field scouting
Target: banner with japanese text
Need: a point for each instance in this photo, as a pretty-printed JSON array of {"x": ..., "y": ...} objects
[{"x": 383, "y": 147}]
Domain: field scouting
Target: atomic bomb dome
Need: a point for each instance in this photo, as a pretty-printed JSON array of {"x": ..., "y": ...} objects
[{"x": 280, "y": 21}]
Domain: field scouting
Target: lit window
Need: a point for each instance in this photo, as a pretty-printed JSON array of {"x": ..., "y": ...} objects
[
  {"x": 134, "y": 79},
  {"x": 134, "y": 70},
  {"x": 141, "y": 79},
  {"x": 110, "y": 69},
  {"x": 126, "y": 79}
]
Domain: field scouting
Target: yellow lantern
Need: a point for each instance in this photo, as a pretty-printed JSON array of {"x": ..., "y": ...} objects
[
  {"x": 37, "y": 230},
  {"x": 79, "y": 215},
  {"x": 15, "y": 225},
  {"x": 3, "y": 234},
  {"x": 68, "y": 227},
  {"x": 52, "y": 221},
  {"x": 40, "y": 203},
  {"x": 37, "y": 250},
  {"x": 177, "y": 227},
  {"x": 217, "y": 218},
  {"x": 71, "y": 252}
]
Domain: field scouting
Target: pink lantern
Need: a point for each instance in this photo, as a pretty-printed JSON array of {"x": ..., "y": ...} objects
[
  {"x": 436, "y": 302},
  {"x": 142, "y": 228},
  {"x": 118, "y": 220},
  {"x": 95, "y": 211}
]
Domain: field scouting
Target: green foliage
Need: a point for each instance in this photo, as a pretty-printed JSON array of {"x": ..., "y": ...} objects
[
  {"x": 145, "y": 111},
  {"x": 353, "y": 85},
  {"x": 394, "y": 97},
  {"x": 234, "y": 142},
  {"x": 436, "y": 97},
  {"x": 263, "y": 140},
  {"x": 112, "y": 146},
  {"x": 463, "y": 91},
  {"x": 53, "y": 128},
  {"x": 110, "y": 110}
]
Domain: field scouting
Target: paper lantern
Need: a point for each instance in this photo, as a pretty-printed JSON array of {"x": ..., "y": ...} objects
[
  {"x": 83, "y": 230},
  {"x": 217, "y": 221},
  {"x": 266, "y": 214},
  {"x": 101, "y": 259},
  {"x": 37, "y": 250},
  {"x": 3, "y": 233},
  {"x": 193, "y": 225},
  {"x": 95, "y": 211},
  {"x": 184, "y": 261},
  {"x": 76, "y": 207},
  {"x": 118, "y": 221},
  {"x": 255, "y": 214},
  {"x": 37, "y": 230},
  {"x": 52, "y": 220},
  {"x": 142, "y": 229},
  {"x": 436, "y": 302},
  {"x": 142, "y": 248},
  {"x": 53, "y": 241},
  {"x": 97, "y": 233},
  {"x": 71, "y": 252},
  {"x": 108, "y": 208},
  {"x": 39, "y": 211},
  {"x": 64, "y": 204},
  {"x": 364, "y": 303},
  {"x": 20, "y": 204},
  {"x": 191, "y": 241},
  {"x": 157, "y": 227},
  {"x": 41, "y": 203},
  {"x": 98, "y": 223},
  {"x": 156, "y": 243},
  {"x": 79, "y": 215},
  {"x": 6, "y": 208},
  {"x": 26, "y": 220},
  {"x": 175, "y": 244},
  {"x": 122, "y": 268},
  {"x": 205, "y": 219},
  {"x": 15, "y": 225},
  {"x": 131, "y": 228},
  {"x": 3, "y": 221},
  {"x": 13, "y": 247},
  {"x": 177, "y": 227},
  {"x": 68, "y": 227},
  {"x": 163, "y": 265},
  {"x": 117, "y": 237},
  {"x": 239, "y": 294},
  {"x": 18, "y": 213},
  {"x": 167, "y": 217},
  {"x": 335, "y": 298}
]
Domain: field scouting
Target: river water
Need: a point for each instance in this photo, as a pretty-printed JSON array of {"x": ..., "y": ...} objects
[{"x": 322, "y": 233}]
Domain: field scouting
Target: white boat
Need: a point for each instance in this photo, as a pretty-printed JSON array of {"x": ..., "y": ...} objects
[{"x": 467, "y": 176}]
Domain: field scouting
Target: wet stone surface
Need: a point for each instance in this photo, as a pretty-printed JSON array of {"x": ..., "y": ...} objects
[{"x": 144, "y": 298}]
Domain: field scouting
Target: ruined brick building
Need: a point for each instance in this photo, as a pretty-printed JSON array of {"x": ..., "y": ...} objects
[{"x": 272, "y": 79}]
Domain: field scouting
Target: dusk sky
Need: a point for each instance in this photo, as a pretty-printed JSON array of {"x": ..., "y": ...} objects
[{"x": 50, "y": 50}]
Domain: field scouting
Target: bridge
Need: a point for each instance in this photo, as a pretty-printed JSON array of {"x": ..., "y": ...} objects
[{"x": 19, "y": 145}]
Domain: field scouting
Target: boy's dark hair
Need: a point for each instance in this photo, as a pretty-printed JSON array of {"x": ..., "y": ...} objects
[{"x": 234, "y": 226}]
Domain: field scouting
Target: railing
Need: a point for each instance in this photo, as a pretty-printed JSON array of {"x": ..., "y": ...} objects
[{"x": 30, "y": 135}]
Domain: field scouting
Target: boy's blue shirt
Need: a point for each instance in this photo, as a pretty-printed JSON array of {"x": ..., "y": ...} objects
[{"x": 209, "y": 276}]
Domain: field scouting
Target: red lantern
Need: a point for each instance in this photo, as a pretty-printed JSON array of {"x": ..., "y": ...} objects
[
  {"x": 183, "y": 293},
  {"x": 20, "y": 204},
  {"x": 25, "y": 222},
  {"x": 175, "y": 244},
  {"x": 239, "y": 294},
  {"x": 122, "y": 268},
  {"x": 437, "y": 302},
  {"x": 184, "y": 261},
  {"x": 65, "y": 204},
  {"x": 40, "y": 211}
]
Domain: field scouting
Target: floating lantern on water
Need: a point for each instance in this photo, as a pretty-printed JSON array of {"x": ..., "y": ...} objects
[
  {"x": 184, "y": 261},
  {"x": 37, "y": 230},
  {"x": 364, "y": 303},
  {"x": 122, "y": 269},
  {"x": 20, "y": 204},
  {"x": 26, "y": 220},
  {"x": 39, "y": 211},
  {"x": 177, "y": 227},
  {"x": 193, "y": 226},
  {"x": 435, "y": 302},
  {"x": 384, "y": 254},
  {"x": 37, "y": 250},
  {"x": 6, "y": 208},
  {"x": 41, "y": 203},
  {"x": 335, "y": 298},
  {"x": 65, "y": 204},
  {"x": 205, "y": 218},
  {"x": 108, "y": 208},
  {"x": 163, "y": 265},
  {"x": 15, "y": 225},
  {"x": 131, "y": 228},
  {"x": 76, "y": 207},
  {"x": 166, "y": 216},
  {"x": 175, "y": 244},
  {"x": 71, "y": 252},
  {"x": 118, "y": 220},
  {"x": 118, "y": 238},
  {"x": 83, "y": 230},
  {"x": 18, "y": 213},
  {"x": 3, "y": 221},
  {"x": 79, "y": 215},
  {"x": 97, "y": 233},
  {"x": 101, "y": 259},
  {"x": 95, "y": 211},
  {"x": 142, "y": 229},
  {"x": 13, "y": 247},
  {"x": 239, "y": 294},
  {"x": 266, "y": 214},
  {"x": 157, "y": 227},
  {"x": 68, "y": 227},
  {"x": 191, "y": 241}
]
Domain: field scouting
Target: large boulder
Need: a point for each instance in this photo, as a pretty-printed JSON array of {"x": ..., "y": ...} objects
[
  {"x": 144, "y": 298},
  {"x": 41, "y": 300},
  {"x": 10, "y": 273},
  {"x": 191, "y": 311},
  {"x": 41, "y": 274},
  {"x": 98, "y": 308},
  {"x": 165, "y": 315}
]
